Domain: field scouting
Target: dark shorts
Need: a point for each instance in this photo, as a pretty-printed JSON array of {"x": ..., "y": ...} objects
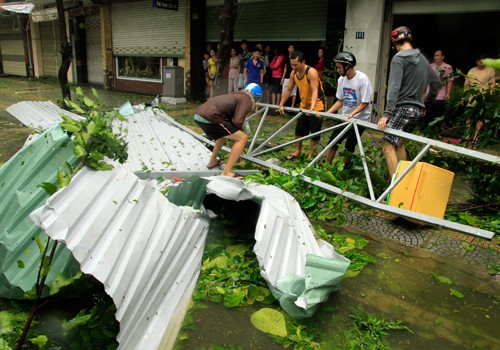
[
  {"x": 276, "y": 86},
  {"x": 308, "y": 124},
  {"x": 350, "y": 144},
  {"x": 405, "y": 119},
  {"x": 217, "y": 131}
]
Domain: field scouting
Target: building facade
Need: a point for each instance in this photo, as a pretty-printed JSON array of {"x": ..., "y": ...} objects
[{"x": 127, "y": 44}]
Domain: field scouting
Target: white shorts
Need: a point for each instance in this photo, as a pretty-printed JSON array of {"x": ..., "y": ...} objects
[{"x": 285, "y": 84}]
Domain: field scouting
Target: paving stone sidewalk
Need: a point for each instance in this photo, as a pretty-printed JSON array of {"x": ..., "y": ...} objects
[{"x": 476, "y": 251}]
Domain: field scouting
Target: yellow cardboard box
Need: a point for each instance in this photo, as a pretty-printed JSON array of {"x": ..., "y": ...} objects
[{"x": 425, "y": 189}]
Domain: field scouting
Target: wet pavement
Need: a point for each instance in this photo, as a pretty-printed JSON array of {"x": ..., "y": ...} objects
[{"x": 477, "y": 252}]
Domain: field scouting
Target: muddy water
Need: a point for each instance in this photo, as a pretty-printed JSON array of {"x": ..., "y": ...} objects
[{"x": 399, "y": 286}]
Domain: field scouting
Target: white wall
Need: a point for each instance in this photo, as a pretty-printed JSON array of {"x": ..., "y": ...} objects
[{"x": 365, "y": 16}]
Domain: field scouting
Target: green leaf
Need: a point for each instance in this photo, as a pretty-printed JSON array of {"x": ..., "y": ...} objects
[
  {"x": 442, "y": 279},
  {"x": 218, "y": 262},
  {"x": 20, "y": 264},
  {"x": 234, "y": 250},
  {"x": 50, "y": 188},
  {"x": 39, "y": 242},
  {"x": 77, "y": 321},
  {"x": 88, "y": 102},
  {"x": 456, "y": 293},
  {"x": 468, "y": 247},
  {"x": 269, "y": 321},
  {"x": 233, "y": 300},
  {"x": 79, "y": 151},
  {"x": 39, "y": 341}
]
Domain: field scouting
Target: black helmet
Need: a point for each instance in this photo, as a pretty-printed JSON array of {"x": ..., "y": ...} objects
[
  {"x": 401, "y": 33},
  {"x": 345, "y": 58}
]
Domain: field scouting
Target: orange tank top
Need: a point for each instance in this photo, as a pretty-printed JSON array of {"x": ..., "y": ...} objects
[{"x": 306, "y": 93}]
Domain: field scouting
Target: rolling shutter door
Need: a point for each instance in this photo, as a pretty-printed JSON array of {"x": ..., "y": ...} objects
[
  {"x": 138, "y": 29},
  {"x": 12, "y": 47},
  {"x": 273, "y": 20},
  {"x": 94, "y": 54},
  {"x": 51, "y": 48}
]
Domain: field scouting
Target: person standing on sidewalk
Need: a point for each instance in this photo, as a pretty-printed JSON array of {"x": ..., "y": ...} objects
[
  {"x": 445, "y": 74},
  {"x": 410, "y": 73}
]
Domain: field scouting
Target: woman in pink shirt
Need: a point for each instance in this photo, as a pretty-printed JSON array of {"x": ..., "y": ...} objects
[{"x": 277, "y": 65}]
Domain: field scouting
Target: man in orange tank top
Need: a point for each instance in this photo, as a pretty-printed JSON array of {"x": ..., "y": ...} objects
[{"x": 311, "y": 99}]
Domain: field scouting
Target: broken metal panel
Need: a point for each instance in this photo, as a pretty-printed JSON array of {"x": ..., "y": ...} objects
[
  {"x": 145, "y": 250},
  {"x": 38, "y": 114},
  {"x": 155, "y": 145},
  {"x": 300, "y": 269},
  {"x": 20, "y": 193}
]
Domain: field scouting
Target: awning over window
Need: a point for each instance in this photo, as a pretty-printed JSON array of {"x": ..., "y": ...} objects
[
  {"x": 45, "y": 15},
  {"x": 18, "y": 8}
]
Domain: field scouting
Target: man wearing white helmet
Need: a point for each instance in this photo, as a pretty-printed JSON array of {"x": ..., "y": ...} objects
[{"x": 221, "y": 118}]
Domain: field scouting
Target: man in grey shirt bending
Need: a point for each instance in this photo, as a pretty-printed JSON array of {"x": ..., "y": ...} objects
[{"x": 410, "y": 73}]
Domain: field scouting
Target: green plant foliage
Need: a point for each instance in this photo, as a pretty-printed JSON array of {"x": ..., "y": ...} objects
[
  {"x": 11, "y": 326},
  {"x": 351, "y": 246},
  {"x": 93, "y": 329},
  {"x": 319, "y": 204},
  {"x": 231, "y": 275},
  {"x": 480, "y": 105},
  {"x": 369, "y": 332},
  {"x": 93, "y": 138}
]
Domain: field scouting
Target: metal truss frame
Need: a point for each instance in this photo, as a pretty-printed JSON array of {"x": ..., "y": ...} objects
[{"x": 259, "y": 148}]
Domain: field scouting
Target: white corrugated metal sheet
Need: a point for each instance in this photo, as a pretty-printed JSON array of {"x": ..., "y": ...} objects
[
  {"x": 156, "y": 145},
  {"x": 300, "y": 269},
  {"x": 39, "y": 114},
  {"x": 144, "y": 249}
]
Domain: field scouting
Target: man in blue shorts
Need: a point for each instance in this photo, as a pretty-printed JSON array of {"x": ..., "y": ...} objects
[
  {"x": 221, "y": 118},
  {"x": 410, "y": 73}
]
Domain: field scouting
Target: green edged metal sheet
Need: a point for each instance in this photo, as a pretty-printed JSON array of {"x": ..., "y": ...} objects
[{"x": 20, "y": 194}]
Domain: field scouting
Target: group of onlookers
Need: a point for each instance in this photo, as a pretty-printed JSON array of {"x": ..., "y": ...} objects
[{"x": 416, "y": 94}]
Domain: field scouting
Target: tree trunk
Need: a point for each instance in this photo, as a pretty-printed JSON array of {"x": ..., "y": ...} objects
[
  {"x": 227, "y": 21},
  {"x": 66, "y": 53}
]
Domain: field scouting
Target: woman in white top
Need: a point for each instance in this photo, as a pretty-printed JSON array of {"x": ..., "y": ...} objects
[{"x": 234, "y": 71}]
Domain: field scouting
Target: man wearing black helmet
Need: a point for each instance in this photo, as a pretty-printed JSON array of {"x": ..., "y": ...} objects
[
  {"x": 354, "y": 93},
  {"x": 410, "y": 73}
]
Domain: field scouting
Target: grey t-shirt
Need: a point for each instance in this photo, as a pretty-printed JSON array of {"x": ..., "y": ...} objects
[{"x": 408, "y": 79}]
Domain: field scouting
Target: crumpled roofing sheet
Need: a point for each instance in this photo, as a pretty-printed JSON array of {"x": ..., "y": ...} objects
[
  {"x": 39, "y": 114},
  {"x": 156, "y": 145},
  {"x": 144, "y": 249},
  {"x": 300, "y": 269},
  {"x": 20, "y": 194}
]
